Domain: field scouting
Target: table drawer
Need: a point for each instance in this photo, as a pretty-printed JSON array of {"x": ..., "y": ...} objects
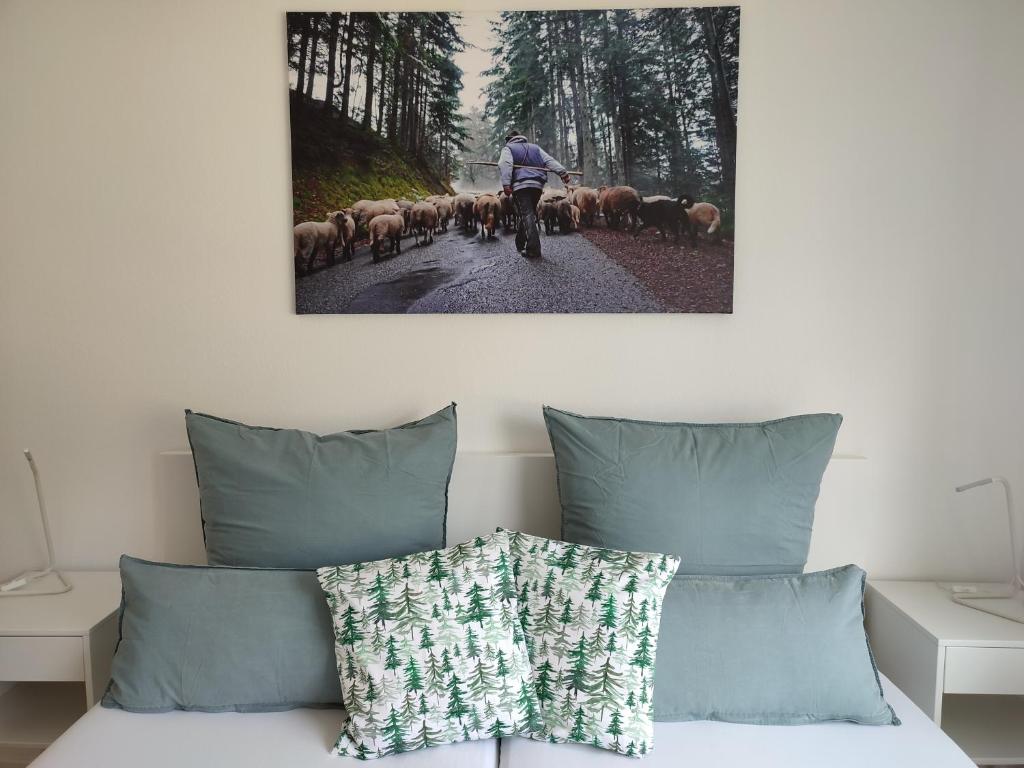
[
  {"x": 41, "y": 659},
  {"x": 984, "y": 670}
]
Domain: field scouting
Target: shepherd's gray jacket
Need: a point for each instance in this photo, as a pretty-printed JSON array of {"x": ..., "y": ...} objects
[{"x": 533, "y": 155}]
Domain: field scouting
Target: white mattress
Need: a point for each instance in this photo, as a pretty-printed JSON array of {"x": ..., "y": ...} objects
[
  {"x": 301, "y": 738},
  {"x": 918, "y": 742}
]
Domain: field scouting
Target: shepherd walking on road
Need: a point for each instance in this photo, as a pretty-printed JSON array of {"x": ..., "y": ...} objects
[{"x": 525, "y": 186}]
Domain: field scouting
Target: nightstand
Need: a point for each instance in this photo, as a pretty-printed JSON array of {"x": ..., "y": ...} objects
[
  {"x": 964, "y": 668},
  {"x": 55, "y": 655}
]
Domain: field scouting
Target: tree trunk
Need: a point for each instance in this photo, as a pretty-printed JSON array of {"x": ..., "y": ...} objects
[
  {"x": 725, "y": 122},
  {"x": 371, "y": 57},
  {"x": 313, "y": 43},
  {"x": 332, "y": 56},
  {"x": 396, "y": 78},
  {"x": 589, "y": 159},
  {"x": 300, "y": 85},
  {"x": 346, "y": 82}
]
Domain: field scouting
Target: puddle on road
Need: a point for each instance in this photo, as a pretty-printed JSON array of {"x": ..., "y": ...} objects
[{"x": 458, "y": 259}]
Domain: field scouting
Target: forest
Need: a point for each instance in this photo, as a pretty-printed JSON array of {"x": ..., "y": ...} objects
[
  {"x": 389, "y": 73},
  {"x": 644, "y": 97}
]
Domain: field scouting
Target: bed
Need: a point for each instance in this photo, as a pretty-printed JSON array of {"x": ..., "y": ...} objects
[{"x": 302, "y": 738}]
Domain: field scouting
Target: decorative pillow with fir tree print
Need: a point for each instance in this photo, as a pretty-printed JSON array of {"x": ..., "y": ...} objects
[
  {"x": 430, "y": 649},
  {"x": 591, "y": 620}
]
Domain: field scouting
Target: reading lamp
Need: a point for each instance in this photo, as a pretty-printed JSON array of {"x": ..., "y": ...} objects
[
  {"x": 1002, "y": 601},
  {"x": 13, "y": 587}
]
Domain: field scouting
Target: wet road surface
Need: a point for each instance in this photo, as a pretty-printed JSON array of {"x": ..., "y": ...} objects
[{"x": 462, "y": 273}]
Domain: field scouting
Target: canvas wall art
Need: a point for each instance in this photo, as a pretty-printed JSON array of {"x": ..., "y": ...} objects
[{"x": 522, "y": 161}]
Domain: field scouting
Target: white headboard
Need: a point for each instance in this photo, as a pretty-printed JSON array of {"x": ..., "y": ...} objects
[{"x": 515, "y": 490}]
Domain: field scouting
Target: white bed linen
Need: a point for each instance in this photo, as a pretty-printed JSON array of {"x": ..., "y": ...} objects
[
  {"x": 302, "y": 738},
  {"x": 918, "y": 742},
  {"x": 298, "y": 738}
]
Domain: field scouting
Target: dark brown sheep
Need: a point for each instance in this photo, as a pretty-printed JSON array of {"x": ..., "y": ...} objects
[
  {"x": 620, "y": 206},
  {"x": 566, "y": 221},
  {"x": 547, "y": 213}
]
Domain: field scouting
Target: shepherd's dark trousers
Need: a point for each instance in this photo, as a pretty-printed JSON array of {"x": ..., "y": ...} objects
[{"x": 528, "y": 235}]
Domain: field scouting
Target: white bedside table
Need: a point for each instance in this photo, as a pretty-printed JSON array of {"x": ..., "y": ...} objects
[
  {"x": 964, "y": 668},
  {"x": 57, "y": 650}
]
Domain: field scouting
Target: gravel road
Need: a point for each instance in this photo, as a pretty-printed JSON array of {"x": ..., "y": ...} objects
[{"x": 461, "y": 273}]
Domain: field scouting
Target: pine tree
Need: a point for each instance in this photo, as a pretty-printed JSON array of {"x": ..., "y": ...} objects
[
  {"x": 607, "y": 687},
  {"x": 424, "y": 708},
  {"x": 609, "y": 613},
  {"x": 474, "y": 719},
  {"x": 437, "y": 571},
  {"x": 428, "y": 737},
  {"x": 568, "y": 559},
  {"x": 393, "y": 734},
  {"x": 578, "y": 733},
  {"x": 446, "y": 662},
  {"x": 642, "y": 656},
  {"x": 477, "y": 609},
  {"x": 391, "y": 662},
  {"x": 480, "y": 680},
  {"x": 506, "y": 584},
  {"x": 615, "y": 728},
  {"x": 350, "y": 631},
  {"x": 498, "y": 729},
  {"x": 594, "y": 593},
  {"x": 549, "y": 584},
  {"x": 413, "y": 680},
  {"x": 544, "y": 682},
  {"x": 456, "y": 700},
  {"x": 426, "y": 641},
  {"x": 472, "y": 649},
  {"x": 371, "y": 693},
  {"x": 529, "y": 713},
  {"x": 380, "y": 606},
  {"x": 502, "y": 667},
  {"x": 407, "y": 610},
  {"x": 575, "y": 680},
  {"x": 631, "y": 749}
]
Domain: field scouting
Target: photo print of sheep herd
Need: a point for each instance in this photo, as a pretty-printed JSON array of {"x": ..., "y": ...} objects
[{"x": 521, "y": 161}]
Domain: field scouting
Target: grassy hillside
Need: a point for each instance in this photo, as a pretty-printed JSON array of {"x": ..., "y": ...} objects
[{"x": 336, "y": 163}]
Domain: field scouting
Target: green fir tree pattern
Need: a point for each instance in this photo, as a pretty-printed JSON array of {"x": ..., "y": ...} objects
[
  {"x": 591, "y": 619},
  {"x": 431, "y": 650}
]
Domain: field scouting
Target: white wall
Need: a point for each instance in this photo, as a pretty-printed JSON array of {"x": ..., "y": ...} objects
[{"x": 145, "y": 268}]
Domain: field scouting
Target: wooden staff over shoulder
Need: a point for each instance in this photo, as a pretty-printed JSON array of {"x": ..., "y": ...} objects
[{"x": 530, "y": 167}]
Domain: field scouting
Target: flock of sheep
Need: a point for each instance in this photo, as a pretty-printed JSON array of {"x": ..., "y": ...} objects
[{"x": 385, "y": 222}]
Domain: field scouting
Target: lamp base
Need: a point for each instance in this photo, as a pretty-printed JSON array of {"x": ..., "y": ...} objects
[
  {"x": 977, "y": 590},
  {"x": 35, "y": 583},
  {"x": 1011, "y": 608}
]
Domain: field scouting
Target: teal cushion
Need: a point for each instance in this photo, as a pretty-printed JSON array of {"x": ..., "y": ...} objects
[
  {"x": 284, "y": 498},
  {"x": 726, "y": 498},
  {"x": 221, "y": 640},
  {"x": 768, "y": 650}
]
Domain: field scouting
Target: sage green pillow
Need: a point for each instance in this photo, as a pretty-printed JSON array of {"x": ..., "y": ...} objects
[
  {"x": 212, "y": 639},
  {"x": 726, "y": 498},
  {"x": 768, "y": 650},
  {"x": 284, "y": 498}
]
